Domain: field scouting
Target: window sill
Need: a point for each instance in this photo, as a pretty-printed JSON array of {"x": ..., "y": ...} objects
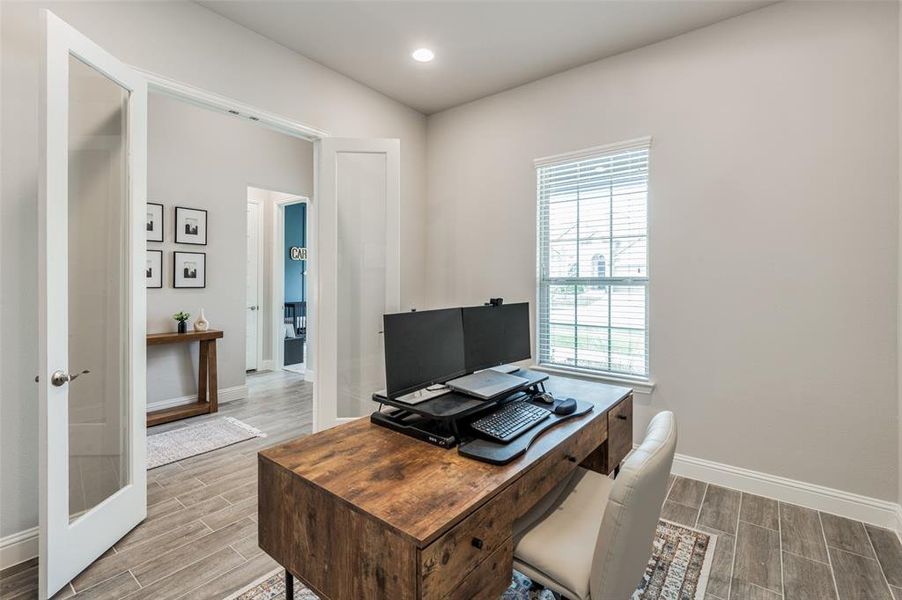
[{"x": 643, "y": 386}]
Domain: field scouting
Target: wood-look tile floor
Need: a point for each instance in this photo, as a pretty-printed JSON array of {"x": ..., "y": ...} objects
[
  {"x": 199, "y": 539},
  {"x": 769, "y": 550}
]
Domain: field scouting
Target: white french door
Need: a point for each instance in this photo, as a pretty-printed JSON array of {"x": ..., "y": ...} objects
[
  {"x": 358, "y": 267},
  {"x": 253, "y": 339},
  {"x": 92, "y": 313}
]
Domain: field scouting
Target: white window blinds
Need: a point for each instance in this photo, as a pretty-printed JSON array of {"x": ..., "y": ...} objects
[{"x": 593, "y": 260}]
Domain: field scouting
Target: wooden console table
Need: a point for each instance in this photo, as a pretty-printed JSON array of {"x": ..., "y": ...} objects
[
  {"x": 207, "y": 384},
  {"x": 360, "y": 511}
]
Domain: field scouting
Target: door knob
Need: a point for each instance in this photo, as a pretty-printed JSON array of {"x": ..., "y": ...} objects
[
  {"x": 59, "y": 378},
  {"x": 253, "y": 307}
]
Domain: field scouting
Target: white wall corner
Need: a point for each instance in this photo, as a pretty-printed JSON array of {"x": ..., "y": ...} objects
[
  {"x": 882, "y": 513},
  {"x": 225, "y": 395},
  {"x": 18, "y": 547}
]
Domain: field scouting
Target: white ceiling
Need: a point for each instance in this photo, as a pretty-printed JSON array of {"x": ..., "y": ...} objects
[{"x": 481, "y": 47}]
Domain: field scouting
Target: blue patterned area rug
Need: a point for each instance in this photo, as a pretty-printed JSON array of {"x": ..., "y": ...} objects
[{"x": 678, "y": 569}]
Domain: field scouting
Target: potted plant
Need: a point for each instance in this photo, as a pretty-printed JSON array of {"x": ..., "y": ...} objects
[{"x": 182, "y": 318}]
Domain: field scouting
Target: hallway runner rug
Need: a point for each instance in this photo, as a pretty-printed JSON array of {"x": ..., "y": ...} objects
[
  {"x": 176, "y": 444},
  {"x": 678, "y": 569}
]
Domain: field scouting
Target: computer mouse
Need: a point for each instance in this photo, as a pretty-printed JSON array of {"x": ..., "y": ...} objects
[
  {"x": 545, "y": 397},
  {"x": 565, "y": 406}
]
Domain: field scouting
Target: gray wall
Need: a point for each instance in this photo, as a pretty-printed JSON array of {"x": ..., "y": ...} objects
[
  {"x": 188, "y": 43},
  {"x": 202, "y": 159},
  {"x": 773, "y": 227}
]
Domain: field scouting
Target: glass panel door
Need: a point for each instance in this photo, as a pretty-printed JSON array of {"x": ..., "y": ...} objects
[
  {"x": 92, "y": 308},
  {"x": 358, "y": 270},
  {"x": 361, "y": 199},
  {"x": 98, "y": 295}
]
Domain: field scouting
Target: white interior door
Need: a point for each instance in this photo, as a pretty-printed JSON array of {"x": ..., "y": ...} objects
[
  {"x": 92, "y": 313},
  {"x": 358, "y": 223},
  {"x": 253, "y": 283}
]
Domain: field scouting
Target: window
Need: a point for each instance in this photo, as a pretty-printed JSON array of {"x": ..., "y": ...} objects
[{"x": 593, "y": 260}]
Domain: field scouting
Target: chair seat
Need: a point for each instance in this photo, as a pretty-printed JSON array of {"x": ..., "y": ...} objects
[{"x": 555, "y": 542}]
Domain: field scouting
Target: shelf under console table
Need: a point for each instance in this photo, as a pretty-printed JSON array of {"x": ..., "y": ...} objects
[{"x": 207, "y": 380}]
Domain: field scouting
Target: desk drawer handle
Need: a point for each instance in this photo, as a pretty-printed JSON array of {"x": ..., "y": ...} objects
[
  {"x": 621, "y": 417},
  {"x": 477, "y": 543},
  {"x": 571, "y": 458}
]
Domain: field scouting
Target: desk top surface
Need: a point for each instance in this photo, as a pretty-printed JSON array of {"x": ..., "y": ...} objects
[{"x": 416, "y": 488}]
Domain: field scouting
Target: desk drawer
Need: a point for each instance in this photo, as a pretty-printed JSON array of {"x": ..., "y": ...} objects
[
  {"x": 556, "y": 466},
  {"x": 489, "y": 580},
  {"x": 448, "y": 560},
  {"x": 620, "y": 432}
]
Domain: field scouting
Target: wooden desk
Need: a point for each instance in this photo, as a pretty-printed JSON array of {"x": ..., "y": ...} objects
[
  {"x": 207, "y": 381},
  {"x": 359, "y": 511}
]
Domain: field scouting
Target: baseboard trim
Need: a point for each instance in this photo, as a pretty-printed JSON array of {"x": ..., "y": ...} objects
[
  {"x": 266, "y": 365},
  {"x": 845, "y": 504},
  {"x": 225, "y": 395},
  {"x": 18, "y": 547},
  {"x": 308, "y": 375}
]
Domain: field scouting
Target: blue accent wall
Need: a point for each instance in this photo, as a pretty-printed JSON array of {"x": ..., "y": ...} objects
[{"x": 295, "y": 235}]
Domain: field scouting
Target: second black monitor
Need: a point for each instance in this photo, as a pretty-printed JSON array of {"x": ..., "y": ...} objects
[{"x": 495, "y": 335}]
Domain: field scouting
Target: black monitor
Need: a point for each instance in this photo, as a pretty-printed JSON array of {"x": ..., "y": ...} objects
[
  {"x": 422, "y": 348},
  {"x": 495, "y": 335}
]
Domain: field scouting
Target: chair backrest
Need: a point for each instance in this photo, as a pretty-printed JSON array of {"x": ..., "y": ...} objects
[{"x": 631, "y": 517}]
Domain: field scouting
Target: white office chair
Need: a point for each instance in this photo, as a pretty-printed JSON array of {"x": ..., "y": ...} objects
[{"x": 591, "y": 538}]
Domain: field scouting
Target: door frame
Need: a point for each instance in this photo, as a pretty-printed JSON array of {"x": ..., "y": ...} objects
[
  {"x": 186, "y": 92},
  {"x": 191, "y": 94},
  {"x": 161, "y": 84},
  {"x": 278, "y": 284},
  {"x": 261, "y": 262}
]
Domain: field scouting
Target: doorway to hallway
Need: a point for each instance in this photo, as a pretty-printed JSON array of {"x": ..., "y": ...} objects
[
  {"x": 279, "y": 281},
  {"x": 294, "y": 252}
]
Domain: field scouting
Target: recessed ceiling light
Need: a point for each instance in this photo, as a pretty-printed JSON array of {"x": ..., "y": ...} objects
[{"x": 423, "y": 55}]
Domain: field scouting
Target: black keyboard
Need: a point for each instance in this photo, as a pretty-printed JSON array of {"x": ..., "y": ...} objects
[{"x": 510, "y": 421}]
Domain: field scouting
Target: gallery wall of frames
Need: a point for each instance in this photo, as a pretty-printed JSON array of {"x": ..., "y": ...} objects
[{"x": 189, "y": 228}]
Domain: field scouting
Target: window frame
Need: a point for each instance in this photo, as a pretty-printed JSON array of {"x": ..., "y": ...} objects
[{"x": 543, "y": 284}]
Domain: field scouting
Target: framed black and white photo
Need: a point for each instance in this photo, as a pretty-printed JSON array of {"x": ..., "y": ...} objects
[
  {"x": 189, "y": 269},
  {"x": 153, "y": 269},
  {"x": 154, "y": 224},
  {"x": 190, "y": 226}
]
